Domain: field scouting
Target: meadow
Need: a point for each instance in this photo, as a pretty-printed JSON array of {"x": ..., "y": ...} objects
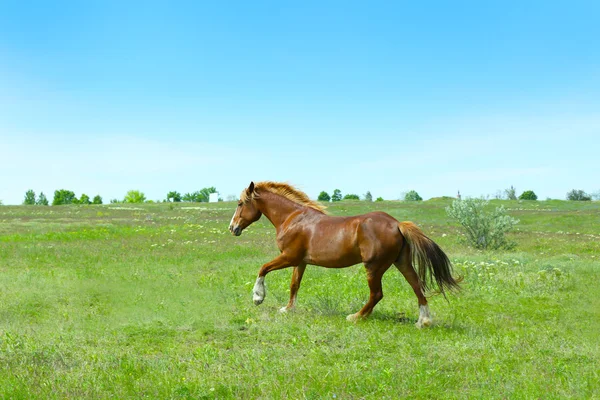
[{"x": 154, "y": 301}]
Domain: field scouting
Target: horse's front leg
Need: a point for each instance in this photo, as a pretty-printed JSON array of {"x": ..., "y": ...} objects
[{"x": 259, "y": 292}]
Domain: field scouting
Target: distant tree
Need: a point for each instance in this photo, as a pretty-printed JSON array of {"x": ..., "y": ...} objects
[
  {"x": 42, "y": 200},
  {"x": 97, "y": 199},
  {"x": 510, "y": 193},
  {"x": 324, "y": 196},
  {"x": 206, "y": 192},
  {"x": 412, "y": 196},
  {"x": 200, "y": 196},
  {"x": 351, "y": 197},
  {"x": 231, "y": 197},
  {"x": 84, "y": 199},
  {"x": 528, "y": 195},
  {"x": 578, "y": 195},
  {"x": 134, "y": 196},
  {"x": 114, "y": 201},
  {"x": 174, "y": 196},
  {"x": 63, "y": 196},
  {"x": 368, "y": 196},
  {"x": 337, "y": 195},
  {"x": 379, "y": 199},
  {"x": 29, "y": 198}
]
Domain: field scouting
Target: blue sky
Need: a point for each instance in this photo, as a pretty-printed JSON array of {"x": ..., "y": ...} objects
[{"x": 100, "y": 97}]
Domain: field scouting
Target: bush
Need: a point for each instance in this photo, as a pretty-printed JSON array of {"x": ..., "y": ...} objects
[
  {"x": 29, "y": 198},
  {"x": 412, "y": 196},
  {"x": 174, "y": 196},
  {"x": 42, "y": 200},
  {"x": 511, "y": 193},
  {"x": 134, "y": 196},
  {"x": 337, "y": 195},
  {"x": 368, "y": 196},
  {"x": 379, "y": 199},
  {"x": 482, "y": 230},
  {"x": 97, "y": 199},
  {"x": 578, "y": 195},
  {"x": 351, "y": 197},
  {"x": 63, "y": 197},
  {"x": 324, "y": 196},
  {"x": 528, "y": 195}
]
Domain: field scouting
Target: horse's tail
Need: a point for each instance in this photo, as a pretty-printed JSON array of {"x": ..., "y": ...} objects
[{"x": 431, "y": 262}]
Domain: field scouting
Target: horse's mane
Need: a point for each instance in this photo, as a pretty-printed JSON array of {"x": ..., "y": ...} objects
[{"x": 285, "y": 190}]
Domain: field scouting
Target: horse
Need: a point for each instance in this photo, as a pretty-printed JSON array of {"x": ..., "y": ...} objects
[{"x": 307, "y": 235}]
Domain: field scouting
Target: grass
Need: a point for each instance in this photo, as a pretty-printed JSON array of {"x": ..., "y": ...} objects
[{"x": 154, "y": 301}]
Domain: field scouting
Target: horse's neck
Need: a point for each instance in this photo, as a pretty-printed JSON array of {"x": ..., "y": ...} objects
[{"x": 276, "y": 208}]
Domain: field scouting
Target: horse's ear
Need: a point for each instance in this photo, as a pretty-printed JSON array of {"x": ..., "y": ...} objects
[{"x": 250, "y": 188}]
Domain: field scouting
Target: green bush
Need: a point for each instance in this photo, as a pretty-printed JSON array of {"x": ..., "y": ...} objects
[
  {"x": 97, "y": 199},
  {"x": 483, "y": 230},
  {"x": 379, "y": 199},
  {"x": 42, "y": 200},
  {"x": 368, "y": 196},
  {"x": 337, "y": 195},
  {"x": 528, "y": 195},
  {"x": 134, "y": 196},
  {"x": 578, "y": 195},
  {"x": 29, "y": 198},
  {"x": 324, "y": 196},
  {"x": 351, "y": 197},
  {"x": 63, "y": 196},
  {"x": 412, "y": 196}
]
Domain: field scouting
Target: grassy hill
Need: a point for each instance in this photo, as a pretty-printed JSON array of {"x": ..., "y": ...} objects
[{"x": 154, "y": 300}]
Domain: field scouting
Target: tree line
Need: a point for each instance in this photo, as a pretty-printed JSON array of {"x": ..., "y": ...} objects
[{"x": 63, "y": 196}]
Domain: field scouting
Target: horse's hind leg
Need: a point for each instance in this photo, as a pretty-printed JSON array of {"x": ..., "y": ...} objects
[
  {"x": 294, "y": 286},
  {"x": 405, "y": 266},
  {"x": 374, "y": 274}
]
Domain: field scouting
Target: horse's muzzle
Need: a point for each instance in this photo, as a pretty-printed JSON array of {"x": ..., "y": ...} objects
[{"x": 237, "y": 231}]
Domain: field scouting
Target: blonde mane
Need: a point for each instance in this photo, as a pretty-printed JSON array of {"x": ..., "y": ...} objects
[{"x": 284, "y": 190}]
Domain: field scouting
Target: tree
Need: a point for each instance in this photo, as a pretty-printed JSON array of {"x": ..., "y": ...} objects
[
  {"x": 63, "y": 196},
  {"x": 528, "y": 195},
  {"x": 324, "y": 196},
  {"x": 84, "y": 199},
  {"x": 42, "y": 200},
  {"x": 337, "y": 195},
  {"x": 200, "y": 196},
  {"x": 578, "y": 195},
  {"x": 511, "y": 193},
  {"x": 351, "y": 197},
  {"x": 29, "y": 198},
  {"x": 379, "y": 199},
  {"x": 368, "y": 196},
  {"x": 174, "y": 196},
  {"x": 97, "y": 199},
  {"x": 412, "y": 196},
  {"x": 134, "y": 196}
]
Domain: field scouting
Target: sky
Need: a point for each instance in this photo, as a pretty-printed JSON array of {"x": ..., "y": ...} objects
[{"x": 102, "y": 97}]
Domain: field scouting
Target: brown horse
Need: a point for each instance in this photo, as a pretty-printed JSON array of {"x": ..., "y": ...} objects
[{"x": 306, "y": 235}]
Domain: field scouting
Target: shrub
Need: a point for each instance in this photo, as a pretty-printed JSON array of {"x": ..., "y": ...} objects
[
  {"x": 379, "y": 199},
  {"x": 412, "y": 196},
  {"x": 63, "y": 197},
  {"x": 134, "y": 196},
  {"x": 351, "y": 197},
  {"x": 84, "y": 199},
  {"x": 368, "y": 196},
  {"x": 324, "y": 196},
  {"x": 528, "y": 195},
  {"x": 337, "y": 195},
  {"x": 174, "y": 196},
  {"x": 482, "y": 230},
  {"x": 29, "y": 198},
  {"x": 578, "y": 195},
  {"x": 97, "y": 199},
  {"x": 511, "y": 193},
  {"x": 42, "y": 200}
]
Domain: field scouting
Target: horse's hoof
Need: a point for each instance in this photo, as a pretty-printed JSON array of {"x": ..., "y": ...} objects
[
  {"x": 423, "y": 323},
  {"x": 257, "y": 300},
  {"x": 352, "y": 318},
  {"x": 284, "y": 310}
]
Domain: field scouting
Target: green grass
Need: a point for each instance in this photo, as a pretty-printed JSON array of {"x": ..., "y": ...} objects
[{"x": 155, "y": 301}]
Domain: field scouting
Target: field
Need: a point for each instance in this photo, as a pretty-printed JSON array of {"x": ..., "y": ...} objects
[{"x": 154, "y": 301}]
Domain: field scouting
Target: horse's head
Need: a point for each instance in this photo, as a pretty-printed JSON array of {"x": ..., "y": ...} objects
[{"x": 245, "y": 213}]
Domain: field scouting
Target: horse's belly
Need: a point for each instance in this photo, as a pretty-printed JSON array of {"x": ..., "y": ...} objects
[{"x": 332, "y": 254}]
